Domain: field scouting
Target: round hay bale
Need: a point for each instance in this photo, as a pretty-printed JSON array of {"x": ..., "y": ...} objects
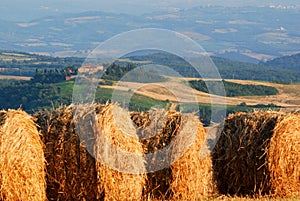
[
  {"x": 189, "y": 176},
  {"x": 284, "y": 157},
  {"x": 120, "y": 162},
  {"x": 71, "y": 168},
  {"x": 191, "y": 172},
  {"x": 22, "y": 162},
  {"x": 255, "y": 154},
  {"x": 156, "y": 129}
]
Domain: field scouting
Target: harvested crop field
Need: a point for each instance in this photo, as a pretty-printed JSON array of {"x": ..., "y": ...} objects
[{"x": 288, "y": 93}]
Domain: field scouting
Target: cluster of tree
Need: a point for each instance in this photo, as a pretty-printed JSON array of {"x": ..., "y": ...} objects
[
  {"x": 247, "y": 71},
  {"x": 40, "y": 92},
  {"x": 270, "y": 105},
  {"x": 232, "y": 89},
  {"x": 131, "y": 72},
  {"x": 53, "y": 75},
  {"x": 117, "y": 70},
  {"x": 174, "y": 62},
  {"x": 49, "y": 76}
]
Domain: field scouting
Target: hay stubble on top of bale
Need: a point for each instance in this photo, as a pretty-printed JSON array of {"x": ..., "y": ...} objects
[
  {"x": 252, "y": 156},
  {"x": 22, "y": 161}
]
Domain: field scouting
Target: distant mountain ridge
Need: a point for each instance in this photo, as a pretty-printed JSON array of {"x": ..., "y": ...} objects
[
  {"x": 291, "y": 62},
  {"x": 257, "y": 33}
]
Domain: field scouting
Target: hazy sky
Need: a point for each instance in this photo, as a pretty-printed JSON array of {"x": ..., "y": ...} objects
[{"x": 20, "y": 10}]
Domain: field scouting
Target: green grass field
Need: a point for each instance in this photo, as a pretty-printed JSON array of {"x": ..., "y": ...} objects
[{"x": 136, "y": 101}]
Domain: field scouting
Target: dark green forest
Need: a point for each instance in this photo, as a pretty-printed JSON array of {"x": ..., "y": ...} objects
[
  {"x": 233, "y": 89},
  {"x": 119, "y": 70},
  {"x": 31, "y": 96}
]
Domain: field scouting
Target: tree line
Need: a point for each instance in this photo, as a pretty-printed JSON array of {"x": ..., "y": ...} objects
[{"x": 232, "y": 89}]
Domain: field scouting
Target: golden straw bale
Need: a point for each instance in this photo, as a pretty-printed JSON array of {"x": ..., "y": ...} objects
[
  {"x": 258, "y": 154},
  {"x": 120, "y": 163},
  {"x": 284, "y": 157},
  {"x": 71, "y": 169},
  {"x": 22, "y": 162},
  {"x": 183, "y": 137},
  {"x": 191, "y": 171},
  {"x": 156, "y": 129},
  {"x": 239, "y": 157}
]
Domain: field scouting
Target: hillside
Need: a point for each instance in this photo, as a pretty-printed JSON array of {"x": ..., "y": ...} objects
[
  {"x": 291, "y": 62},
  {"x": 25, "y": 64},
  {"x": 228, "y": 69}
]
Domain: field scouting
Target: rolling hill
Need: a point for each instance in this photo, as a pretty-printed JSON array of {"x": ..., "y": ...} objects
[{"x": 25, "y": 64}]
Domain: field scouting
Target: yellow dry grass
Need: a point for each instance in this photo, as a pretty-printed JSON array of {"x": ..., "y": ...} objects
[{"x": 175, "y": 90}]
